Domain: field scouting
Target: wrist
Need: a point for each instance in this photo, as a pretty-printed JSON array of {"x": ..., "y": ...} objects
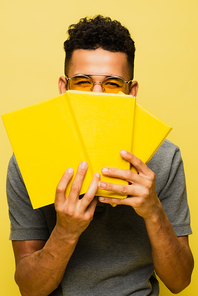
[
  {"x": 157, "y": 214},
  {"x": 63, "y": 235}
]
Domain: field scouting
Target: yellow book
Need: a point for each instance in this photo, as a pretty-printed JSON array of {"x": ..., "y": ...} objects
[
  {"x": 46, "y": 141},
  {"x": 106, "y": 124},
  {"x": 53, "y": 135},
  {"x": 148, "y": 134}
]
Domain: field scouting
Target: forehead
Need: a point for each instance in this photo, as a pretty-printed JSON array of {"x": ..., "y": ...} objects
[{"x": 99, "y": 61}]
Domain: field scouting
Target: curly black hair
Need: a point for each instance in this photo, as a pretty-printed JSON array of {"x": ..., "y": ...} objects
[{"x": 99, "y": 32}]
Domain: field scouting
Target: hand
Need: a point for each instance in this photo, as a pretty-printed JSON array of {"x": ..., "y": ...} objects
[
  {"x": 74, "y": 214},
  {"x": 141, "y": 190}
]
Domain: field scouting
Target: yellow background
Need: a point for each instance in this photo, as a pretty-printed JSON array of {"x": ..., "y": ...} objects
[{"x": 31, "y": 60}]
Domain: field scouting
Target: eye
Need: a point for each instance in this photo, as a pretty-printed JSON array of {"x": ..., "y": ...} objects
[
  {"x": 81, "y": 81},
  {"x": 113, "y": 83}
]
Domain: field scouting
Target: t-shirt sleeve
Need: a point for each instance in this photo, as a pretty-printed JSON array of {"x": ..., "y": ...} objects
[
  {"x": 173, "y": 195},
  {"x": 26, "y": 223}
]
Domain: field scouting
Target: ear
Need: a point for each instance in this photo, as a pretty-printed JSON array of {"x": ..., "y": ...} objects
[
  {"x": 134, "y": 88},
  {"x": 62, "y": 85}
]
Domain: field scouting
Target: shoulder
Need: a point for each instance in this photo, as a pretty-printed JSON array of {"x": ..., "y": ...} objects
[
  {"x": 26, "y": 223},
  {"x": 13, "y": 166},
  {"x": 165, "y": 157},
  {"x": 17, "y": 194},
  {"x": 170, "y": 182},
  {"x": 167, "y": 165},
  {"x": 166, "y": 150},
  {"x": 14, "y": 178}
]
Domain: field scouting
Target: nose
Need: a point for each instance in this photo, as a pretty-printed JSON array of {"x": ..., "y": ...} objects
[{"x": 97, "y": 87}]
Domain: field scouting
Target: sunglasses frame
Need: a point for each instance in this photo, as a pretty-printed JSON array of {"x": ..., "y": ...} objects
[{"x": 98, "y": 82}]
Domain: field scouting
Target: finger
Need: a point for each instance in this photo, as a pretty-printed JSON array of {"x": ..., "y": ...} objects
[
  {"x": 120, "y": 189},
  {"x": 62, "y": 186},
  {"x": 91, "y": 208},
  {"x": 109, "y": 200},
  {"x": 127, "y": 175},
  {"x": 78, "y": 181},
  {"x": 130, "y": 201},
  {"x": 133, "y": 190},
  {"x": 91, "y": 192},
  {"x": 139, "y": 165}
]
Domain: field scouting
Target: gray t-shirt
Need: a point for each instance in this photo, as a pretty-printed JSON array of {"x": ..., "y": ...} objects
[{"x": 113, "y": 255}]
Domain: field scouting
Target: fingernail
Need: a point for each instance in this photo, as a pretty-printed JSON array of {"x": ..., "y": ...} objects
[
  {"x": 123, "y": 152},
  {"x": 104, "y": 170},
  {"x": 102, "y": 185},
  {"x": 97, "y": 175},
  {"x": 101, "y": 198},
  {"x": 70, "y": 170},
  {"x": 83, "y": 164}
]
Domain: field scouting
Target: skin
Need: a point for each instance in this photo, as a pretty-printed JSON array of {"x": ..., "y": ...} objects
[
  {"x": 37, "y": 261},
  {"x": 99, "y": 61}
]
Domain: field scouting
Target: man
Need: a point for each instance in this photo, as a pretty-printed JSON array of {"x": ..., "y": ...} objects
[{"x": 85, "y": 246}]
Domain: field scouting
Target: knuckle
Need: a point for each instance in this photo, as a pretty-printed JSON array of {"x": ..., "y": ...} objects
[
  {"x": 109, "y": 186},
  {"x": 88, "y": 197},
  {"x": 123, "y": 189},
  {"x": 111, "y": 171},
  {"x": 88, "y": 217},
  {"x": 128, "y": 174},
  {"x": 138, "y": 162},
  {"x": 75, "y": 188},
  {"x": 145, "y": 193},
  {"x": 58, "y": 208},
  {"x": 60, "y": 189},
  {"x": 148, "y": 184},
  {"x": 138, "y": 202},
  {"x": 81, "y": 172},
  {"x": 119, "y": 201},
  {"x": 152, "y": 176},
  {"x": 69, "y": 212},
  {"x": 150, "y": 181}
]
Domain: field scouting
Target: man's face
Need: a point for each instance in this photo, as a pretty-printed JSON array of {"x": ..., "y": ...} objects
[{"x": 99, "y": 64}]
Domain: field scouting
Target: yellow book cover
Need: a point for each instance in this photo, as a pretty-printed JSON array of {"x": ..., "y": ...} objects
[
  {"x": 148, "y": 134},
  {"x": 106, "y": 124},
  {"x": 46, "y": 141},
  {"x": 53, "y": 135}
]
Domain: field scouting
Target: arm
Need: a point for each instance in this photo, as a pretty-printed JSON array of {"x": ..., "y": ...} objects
[
  {"x": 172, "y": 258},
  {"x": 40, "y": 265}
]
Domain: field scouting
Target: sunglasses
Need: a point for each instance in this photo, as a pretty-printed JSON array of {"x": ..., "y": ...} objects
[{"x": 111, "y": 84}]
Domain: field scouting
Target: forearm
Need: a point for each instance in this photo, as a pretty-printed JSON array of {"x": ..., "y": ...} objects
[
  {"x": 41, "y": 272},
  {"x": 172, "y": 259},
  {"x": 40, "y": 268}
]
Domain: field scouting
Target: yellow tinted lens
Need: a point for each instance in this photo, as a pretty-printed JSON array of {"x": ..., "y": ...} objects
[
  {"x": 81, "y": 83},
  {"x": 113, "y": 85}
]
